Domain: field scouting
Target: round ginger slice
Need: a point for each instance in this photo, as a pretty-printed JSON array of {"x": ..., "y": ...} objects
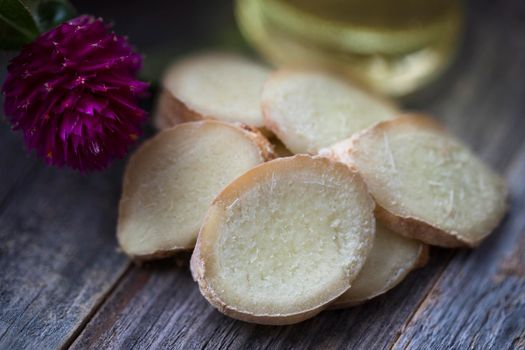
[
  {"x": 426, "y": 184},
  {"x": 214, "y": 85},
  {"x": 172, "y": 179},
  {"x": 284, "y": 240},
  {"x": 391, "y": 259},
  {"x": 309, "y": 110}
]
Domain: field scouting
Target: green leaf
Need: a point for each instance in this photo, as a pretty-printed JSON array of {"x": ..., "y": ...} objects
[
  {"x": 17, "y": 24},
  {"x": 22, "y": 20}
]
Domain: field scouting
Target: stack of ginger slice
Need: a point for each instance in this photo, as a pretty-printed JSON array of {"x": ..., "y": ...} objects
[{"x": 297, "y": 191}]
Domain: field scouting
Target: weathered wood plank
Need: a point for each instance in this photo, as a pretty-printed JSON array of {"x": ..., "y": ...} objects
[
  {"x": 57, "y": 255},
  {"x": 480, "y": 101},
  {"x": 479, "y": 302},
  {"x": 58, "y": 261},
  {"x": 162, "y": 308}
]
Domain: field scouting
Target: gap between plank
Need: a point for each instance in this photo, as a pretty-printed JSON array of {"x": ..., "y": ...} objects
[
  {"x": 422, "y": 301},
  {"x": 98, "y": 305}
]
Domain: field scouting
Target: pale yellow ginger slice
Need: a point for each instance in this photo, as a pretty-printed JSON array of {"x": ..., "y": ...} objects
[
  {"x": 426, "y": 184},
  {"x": 172, "y": 179},
  {"x": 221, "y": 86},
  {"x": 309, "y": 110},
  {"x": 390, "y": 261},
  {"x": 284, "y": 240}
]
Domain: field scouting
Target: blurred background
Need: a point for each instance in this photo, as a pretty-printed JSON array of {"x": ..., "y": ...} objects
[
  {"x": 60, "y": 269},
  {"x": 394, "y": 47},
  {"x": 163, "y": 30},
  {"x": 425, "y": 75}
]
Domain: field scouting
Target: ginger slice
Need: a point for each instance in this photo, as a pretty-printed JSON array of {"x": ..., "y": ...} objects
[
  {"x": 172, "y": 179},
  {"x": 309, "y": 110},
  {"x": 284, "y": 240},
  {"x": 392, "y": 258},
  {"x": 426, "y": 184},
  {"x": 216, "y": 85}
]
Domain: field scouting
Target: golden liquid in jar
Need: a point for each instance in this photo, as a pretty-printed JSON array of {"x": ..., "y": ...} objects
[{"x": 393, "y": 46}]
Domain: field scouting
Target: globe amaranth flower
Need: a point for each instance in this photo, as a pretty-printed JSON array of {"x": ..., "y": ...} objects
[{"x": 73, "y": 94}]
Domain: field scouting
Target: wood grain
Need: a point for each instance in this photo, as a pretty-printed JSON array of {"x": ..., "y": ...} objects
[
  {"x": 57, "y": 252},
  {"x": 479, "y": 302},
  {"x": 160, "y": 307},
  {"x": 479, "y": 99},
  {"x": 63, "y": 283}
]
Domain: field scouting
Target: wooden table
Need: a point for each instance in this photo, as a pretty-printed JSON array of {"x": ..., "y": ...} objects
[{"x": 64, "y": 284}]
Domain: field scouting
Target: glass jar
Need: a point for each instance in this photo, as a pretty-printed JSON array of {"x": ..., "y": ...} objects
[{"x": 394, "y": 47}]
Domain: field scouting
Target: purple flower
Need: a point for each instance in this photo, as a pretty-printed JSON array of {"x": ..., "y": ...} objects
[{"x": 73, "y": 94}]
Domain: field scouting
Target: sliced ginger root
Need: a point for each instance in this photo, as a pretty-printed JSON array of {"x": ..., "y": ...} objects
[
  {"x": 426, "y": 184},
  {"x": 284, "y": 240},
  {"x": 172, "y": 178},
  {"x": 213, "y": 85}
]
